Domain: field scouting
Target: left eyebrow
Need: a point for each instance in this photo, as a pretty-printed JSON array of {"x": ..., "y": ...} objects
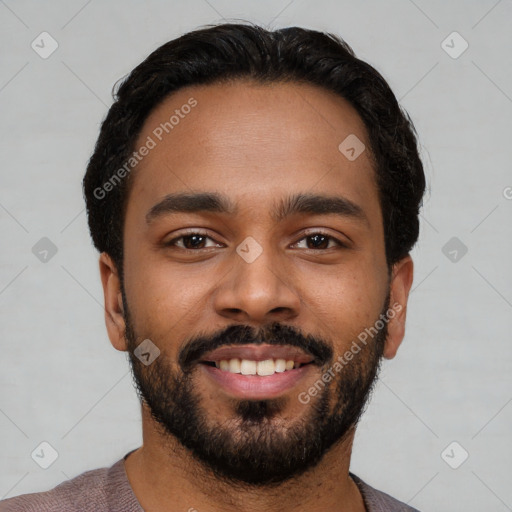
[
  {"x": 301, "y": 203},
  {"x": 318, "y": 204}
]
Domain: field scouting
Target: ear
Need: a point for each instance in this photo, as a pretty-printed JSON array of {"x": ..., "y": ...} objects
[
  {"x": 113, "y": 302},
  {"x": 401, "y": 281}
]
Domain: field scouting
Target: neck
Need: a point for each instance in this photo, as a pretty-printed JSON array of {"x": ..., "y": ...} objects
[{"x": 165, "y": 477}]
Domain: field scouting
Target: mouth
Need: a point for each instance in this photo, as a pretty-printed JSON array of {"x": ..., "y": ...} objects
[
  {"x": 251, "y": 367},
  {"x": 262, "y": 360},
  {"x": 257, "y": 371}
]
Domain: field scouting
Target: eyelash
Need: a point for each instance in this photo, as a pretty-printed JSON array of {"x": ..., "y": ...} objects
[{"x": 171, "y": 243}]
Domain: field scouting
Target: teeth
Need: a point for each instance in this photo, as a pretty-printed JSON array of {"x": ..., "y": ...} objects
[
  {"x": 234, "y": 366},
  {"x": 266, "y": 367},
  {"x": 261, "y": 368},
  {"x": 247, "y": 367},
  {"x": 280, "y": 365}
]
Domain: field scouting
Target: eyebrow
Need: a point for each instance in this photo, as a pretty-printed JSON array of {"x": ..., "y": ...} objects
[{"x": 301, "y": 203}]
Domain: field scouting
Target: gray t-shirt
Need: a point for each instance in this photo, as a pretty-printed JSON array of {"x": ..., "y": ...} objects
[{"x": 108, "y": 490}]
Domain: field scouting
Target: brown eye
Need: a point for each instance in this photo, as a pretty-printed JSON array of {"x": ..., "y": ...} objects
[
  {"x": 320, "y": 241},
  {"x": 191, "y": 241}
]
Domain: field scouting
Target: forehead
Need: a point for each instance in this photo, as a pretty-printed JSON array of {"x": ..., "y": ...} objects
[{"x": 254, "y": 143}]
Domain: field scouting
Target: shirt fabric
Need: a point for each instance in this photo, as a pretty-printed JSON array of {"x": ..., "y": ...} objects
[{"x": 108, "y": 490}]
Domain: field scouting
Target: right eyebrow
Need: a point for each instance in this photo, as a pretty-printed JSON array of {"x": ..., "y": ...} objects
[{"x": 191, "y": 203}]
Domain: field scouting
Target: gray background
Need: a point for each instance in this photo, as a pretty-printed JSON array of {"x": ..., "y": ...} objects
[{"x": 62, "y": 382}]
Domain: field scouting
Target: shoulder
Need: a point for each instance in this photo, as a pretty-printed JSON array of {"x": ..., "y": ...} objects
[
  {"x": 90, "y": 491},
  {"x": 378, "y": 501}
]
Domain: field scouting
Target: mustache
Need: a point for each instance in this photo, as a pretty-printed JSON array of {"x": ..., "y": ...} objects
[{"x": 273, "y": 334}]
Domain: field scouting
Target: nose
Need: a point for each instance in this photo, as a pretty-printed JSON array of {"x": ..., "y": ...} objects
[{"x": 257, "y": 292}]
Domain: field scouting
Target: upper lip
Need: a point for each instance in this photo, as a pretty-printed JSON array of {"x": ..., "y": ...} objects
[{"x": 258, "y": 353}]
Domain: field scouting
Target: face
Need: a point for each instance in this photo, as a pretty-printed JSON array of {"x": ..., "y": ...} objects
[{"x": 256, "y": 277}]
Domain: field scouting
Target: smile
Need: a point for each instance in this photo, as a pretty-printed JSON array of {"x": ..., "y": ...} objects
[
  {"x": 256, "y": 371},
  {"x": 252, "y": 367}
]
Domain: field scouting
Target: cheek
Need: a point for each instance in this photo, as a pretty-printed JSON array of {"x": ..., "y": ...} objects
[
  {"x": 346, "y": 301},
  {"x": 166, "y": 300}
]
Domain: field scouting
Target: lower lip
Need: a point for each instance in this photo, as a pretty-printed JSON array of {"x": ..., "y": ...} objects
[{"x": 255, "y": 386}]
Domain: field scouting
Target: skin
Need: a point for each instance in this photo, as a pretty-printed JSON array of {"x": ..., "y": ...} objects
[{"x": 256, "y": 144}]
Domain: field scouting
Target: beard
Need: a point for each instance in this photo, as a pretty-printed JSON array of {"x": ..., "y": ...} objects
[{"x": 255, "y": 446}]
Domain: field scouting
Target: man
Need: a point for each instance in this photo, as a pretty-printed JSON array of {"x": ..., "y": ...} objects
[{"x": 254, "y": 196}]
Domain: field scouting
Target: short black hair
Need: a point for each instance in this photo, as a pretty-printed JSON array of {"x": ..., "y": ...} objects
[{"x": 244, "y": 51}]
